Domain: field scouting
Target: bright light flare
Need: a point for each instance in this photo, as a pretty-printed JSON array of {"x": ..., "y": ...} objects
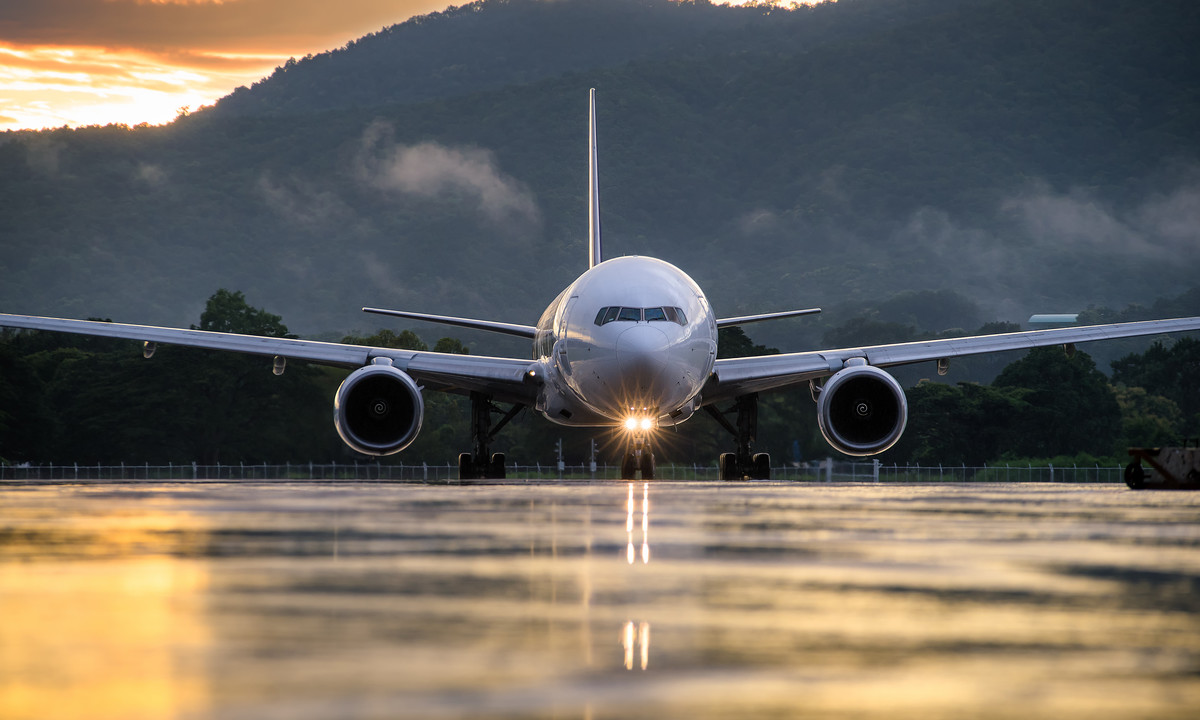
[{"x": 634, "y": 423}]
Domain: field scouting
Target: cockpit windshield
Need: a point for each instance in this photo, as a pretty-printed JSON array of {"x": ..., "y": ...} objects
[
  {"x": 631, "y": 314},
  {"x": 653, "y": 314}
]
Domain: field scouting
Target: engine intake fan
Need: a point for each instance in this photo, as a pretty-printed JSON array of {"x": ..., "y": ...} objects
[
  {"x": 862, "y": 410},
  {"x": 378, "y": 410}
]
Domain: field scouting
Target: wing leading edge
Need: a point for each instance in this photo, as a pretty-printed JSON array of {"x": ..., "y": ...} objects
[
  {"x": 503, "y": 378},
  {"x": 739, "y": 376}
]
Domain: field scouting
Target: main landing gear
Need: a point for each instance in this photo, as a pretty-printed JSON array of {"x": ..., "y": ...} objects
[
  {"x": 638, "y": 457},
  {"x": 481, "y": 463},
  {"x": 742, "y": 464}
]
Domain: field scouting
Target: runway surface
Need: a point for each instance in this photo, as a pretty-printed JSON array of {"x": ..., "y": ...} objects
[{"x": 609, "y": 600}]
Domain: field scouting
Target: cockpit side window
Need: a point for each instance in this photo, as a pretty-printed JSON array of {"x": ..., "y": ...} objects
[
  {"x": 607, "y": 315},
  {"x": 675, "y": 315}
]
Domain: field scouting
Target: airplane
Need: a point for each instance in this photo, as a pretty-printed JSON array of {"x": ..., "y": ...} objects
[{"x": 632, "y": 344}]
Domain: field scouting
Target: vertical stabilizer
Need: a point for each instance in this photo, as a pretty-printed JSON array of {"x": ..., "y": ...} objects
[{"x": 595, "y": 257}]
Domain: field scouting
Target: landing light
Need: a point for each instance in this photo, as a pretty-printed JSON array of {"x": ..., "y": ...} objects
[{"x": 633, "y": 423}]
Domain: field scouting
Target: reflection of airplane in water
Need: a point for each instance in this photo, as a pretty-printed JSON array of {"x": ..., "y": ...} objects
[{"x": 631, "y": 343}]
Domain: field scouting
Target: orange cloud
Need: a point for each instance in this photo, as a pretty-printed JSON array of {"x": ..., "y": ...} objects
[{"x": 84, "y": 62}]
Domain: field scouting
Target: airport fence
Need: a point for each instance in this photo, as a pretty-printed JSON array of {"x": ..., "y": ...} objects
[{"x": 817, "y": 471}]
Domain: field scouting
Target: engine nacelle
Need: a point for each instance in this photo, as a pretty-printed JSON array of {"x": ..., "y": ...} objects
[
  {"x": 862, "y": 410},
  {"x": 378, "y": 410}
]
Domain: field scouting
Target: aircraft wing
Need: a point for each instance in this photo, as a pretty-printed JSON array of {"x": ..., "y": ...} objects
[
  {"x": 503, "y": 378},
  {"x": 739, "y": 376}
]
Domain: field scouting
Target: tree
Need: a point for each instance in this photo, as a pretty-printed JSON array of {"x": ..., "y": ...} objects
[
  {"x": 1148, "y": 420},
  {"x": 451, "y": 345},
  {"x": 228, "y": 312},
  {"x": 1070, "y": 409},
  {"x": 230, "y": 406},
  {"x": 732, "y": 342},
  {"x": 22, "y": 410},
  {"x": 1169, "y": 371},
  {"x": 966, "y": 423},
  {"x": 406, "y": 340}
]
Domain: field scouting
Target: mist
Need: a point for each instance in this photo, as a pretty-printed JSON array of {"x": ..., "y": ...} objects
[{"x": 430, "y": 170}]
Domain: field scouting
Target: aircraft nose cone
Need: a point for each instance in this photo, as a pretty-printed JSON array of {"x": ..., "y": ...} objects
[{"x": 642, "y": 354}]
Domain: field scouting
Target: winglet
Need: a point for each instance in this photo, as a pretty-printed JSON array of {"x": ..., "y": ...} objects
[{"x": 595, "y": 257}]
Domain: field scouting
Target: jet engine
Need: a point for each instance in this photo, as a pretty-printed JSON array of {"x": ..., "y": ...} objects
[
  {"x": 862, "y": 410},
  {"x": 378, "y": 410}
]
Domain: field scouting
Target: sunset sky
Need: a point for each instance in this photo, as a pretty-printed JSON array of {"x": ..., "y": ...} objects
[{"x": 94, "y": 62}]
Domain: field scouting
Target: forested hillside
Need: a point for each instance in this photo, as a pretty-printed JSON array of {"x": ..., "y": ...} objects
[
  {"x": 493, "y": 44},
  {"x": 1032, "y": 156}
]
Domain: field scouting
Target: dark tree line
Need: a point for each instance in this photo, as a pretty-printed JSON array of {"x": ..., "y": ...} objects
[
  {"x": 66, "y": 398},
  {"x": 90, "y": 400}
]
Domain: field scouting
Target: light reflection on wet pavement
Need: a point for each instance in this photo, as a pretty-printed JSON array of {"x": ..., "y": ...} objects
[{"x": 611, "y": 600}]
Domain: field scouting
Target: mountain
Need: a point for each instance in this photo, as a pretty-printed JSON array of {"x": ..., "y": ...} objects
[{"x": 1028, "y": 156}]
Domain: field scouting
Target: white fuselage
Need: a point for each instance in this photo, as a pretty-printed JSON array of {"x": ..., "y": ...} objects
[{"x": 631, "y": 337}]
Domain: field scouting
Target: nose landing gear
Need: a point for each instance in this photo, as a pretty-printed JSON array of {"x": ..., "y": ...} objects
[{"x": 638, "y": 457}]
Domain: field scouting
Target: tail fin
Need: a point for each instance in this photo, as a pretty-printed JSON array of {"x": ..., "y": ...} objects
[{"x": 595, "y": 257}]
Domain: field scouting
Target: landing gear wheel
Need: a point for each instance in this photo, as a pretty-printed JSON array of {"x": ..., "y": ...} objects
[
  {"x": 1135, "y": 475},
  {"x": 729, "y": 467},
  {"x": 647, "y": 466},
  {"x": 761, "y": 466},
  {"x": 629, "y": 466},
  {"x": 482, "y": 463},
  {"x": 466, "y": 468},
  {"x": 741, "y": 464}
]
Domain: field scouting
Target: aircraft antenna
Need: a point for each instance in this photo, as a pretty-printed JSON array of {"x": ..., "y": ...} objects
[{"x": 595, "y": 257}]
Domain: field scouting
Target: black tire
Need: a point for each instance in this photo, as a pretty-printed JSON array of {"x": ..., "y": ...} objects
[
  {"x": 466, "y": 468},
  {"x": 496, "y": 467},
  {"x": 761, "y": 466},
  {"x": 1135, "y": 475},
  {"x": 647, "y": 466},
  {"x": 729, "y": 467},
  {"x": 629, "y": 467}
]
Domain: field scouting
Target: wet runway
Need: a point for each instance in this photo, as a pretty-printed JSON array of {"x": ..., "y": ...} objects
[{"x": 610, "y": 600}]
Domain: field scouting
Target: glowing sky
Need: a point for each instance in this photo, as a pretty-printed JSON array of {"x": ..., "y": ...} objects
[{"x": 94, "y": 62}]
